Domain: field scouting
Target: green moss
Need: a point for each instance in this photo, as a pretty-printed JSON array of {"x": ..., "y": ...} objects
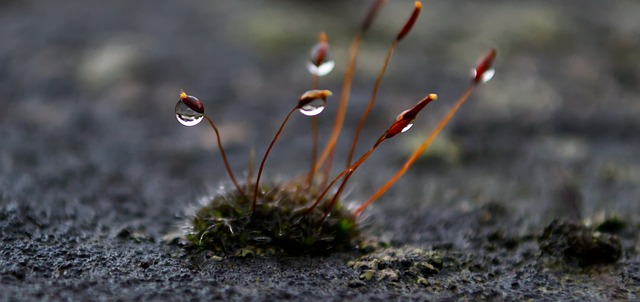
[{"x": 226, "y": 225}]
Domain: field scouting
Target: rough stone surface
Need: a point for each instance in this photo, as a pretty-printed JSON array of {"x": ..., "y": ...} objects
[{"x": 95, "y": 170}]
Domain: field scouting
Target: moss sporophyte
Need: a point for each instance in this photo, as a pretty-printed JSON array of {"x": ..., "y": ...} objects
[{"x": 305, "y": 215}]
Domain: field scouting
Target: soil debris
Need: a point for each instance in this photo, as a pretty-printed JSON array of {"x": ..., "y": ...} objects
[
  {"x": 577, "y": 243},
  {"x": 395, "y": 264}
]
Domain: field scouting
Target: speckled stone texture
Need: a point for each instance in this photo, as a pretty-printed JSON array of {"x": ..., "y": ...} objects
[{"x": 95, "y": 170}]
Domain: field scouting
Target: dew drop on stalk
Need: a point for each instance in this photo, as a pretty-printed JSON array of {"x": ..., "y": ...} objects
[
  {"x": 486, "y": 76},
  {"x": 187, "y": 116},
  {"x": 406, "y": 127},
  {"x": 313, "y": 108},
  {"x": 312, "y": 102},
  {"x": 320, "y": 62},
  {"x": 321, "y": 70}
]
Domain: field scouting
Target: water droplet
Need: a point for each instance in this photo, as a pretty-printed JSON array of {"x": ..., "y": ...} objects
[
  {"x": 486, "y": 76},
  {"x": 409, "y": 123},
  {"x": 321, "y": 70},
  {"x": 407, "y": 127},
  {"x": 186, "y": 115},
  {"x": 320, "y": 62},
  {"x": 313, "y": 108}
]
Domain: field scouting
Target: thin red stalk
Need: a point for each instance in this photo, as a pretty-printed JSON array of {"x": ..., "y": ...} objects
[
  {"x": 365, "y": 114},
  {"x": 416, "y": 154},
  {"x": 314, "y": 137},
  {"x": 348, "y": 171},
  {"x": 324, "y": 192},
  {"x": 346, "y": 85},
  {"x": 352, "y": 169},
  {"x": 314, "y": 150},
  {"x": 224, "y": 157},
  {"x": 327, "y": 169},
  {"x": 485, "y": 64},
  {"x": 252, "y": 156},
  {"x": 264, "y": 159},
  {"x": 401, "y": 34},
  {"x": 410, "y": 22},
  {"x": 398, "y": 126},
  {"x": 344, "y": 100},
  {"x": 371, "y": 15}
]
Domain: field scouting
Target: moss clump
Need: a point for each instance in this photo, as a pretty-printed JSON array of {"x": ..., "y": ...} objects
[
  {"x": 576, "y": 243},
  {"x": 395, "y": 264},
  {"x": 226, "y": 225}
]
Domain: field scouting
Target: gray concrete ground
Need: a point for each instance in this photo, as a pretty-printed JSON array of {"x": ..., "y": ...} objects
[{"x": 95, "y": 170}]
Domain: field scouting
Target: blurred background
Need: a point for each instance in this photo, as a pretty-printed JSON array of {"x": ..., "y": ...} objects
[{"x": 88, "y": 90}]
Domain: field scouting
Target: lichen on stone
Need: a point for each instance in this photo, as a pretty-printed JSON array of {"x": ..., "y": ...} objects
[{"x": 395, "y": 264}]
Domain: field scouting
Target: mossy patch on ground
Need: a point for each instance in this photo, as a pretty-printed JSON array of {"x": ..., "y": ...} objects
[
  {"x": 575, "y": 242},
  {"x": 280, "y": 224},
  {"x": 395, "y": 264}
]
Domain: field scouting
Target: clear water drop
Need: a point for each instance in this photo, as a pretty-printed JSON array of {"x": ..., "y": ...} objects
[
  {"x": 320, "y": 62},
  {"x": 321, "y": 70},
  {"x": 406, "y": 128},
  {"x": 313, "y": 108},
  {"x": 486, "y": 76},
  {"x": 400, "y": 117},
  {"x": 186, "y": 115}
]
